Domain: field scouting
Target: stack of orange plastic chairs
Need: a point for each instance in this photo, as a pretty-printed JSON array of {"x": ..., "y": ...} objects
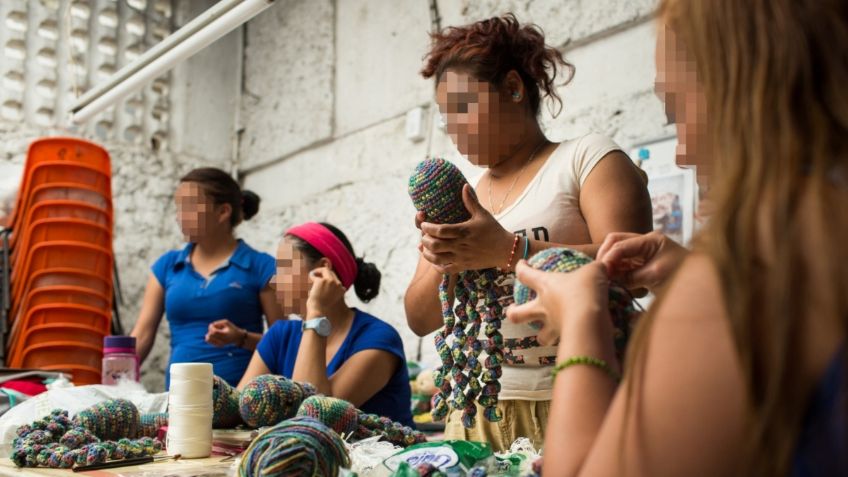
[{"x": 59, "y": 260}]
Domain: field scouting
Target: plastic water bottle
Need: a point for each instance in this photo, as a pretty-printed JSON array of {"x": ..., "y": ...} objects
[{"x": 120, "y": 360}]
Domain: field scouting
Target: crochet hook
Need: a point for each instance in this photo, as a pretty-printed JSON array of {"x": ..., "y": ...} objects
[{"x": 124, "y": 462}]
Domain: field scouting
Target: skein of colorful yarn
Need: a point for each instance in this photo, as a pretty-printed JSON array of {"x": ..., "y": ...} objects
[
  {"x": 225, "y": 404},
  {"x": 301, "y": 446},
  {"x": 436, "y": 189},
  {"x": 269, "y": 399},
  {"x": 110, "y": 420},
  {"x": 564, "y": 260},
  {"x": 344, "y": 418}
]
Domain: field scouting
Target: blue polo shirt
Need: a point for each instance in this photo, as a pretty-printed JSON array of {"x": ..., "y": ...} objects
[
  {"x": 279, "y": 346},
  {"x": 192, "y": 302}
]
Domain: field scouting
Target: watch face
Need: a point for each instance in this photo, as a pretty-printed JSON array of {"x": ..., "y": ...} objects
[{"x": 323, "y": 327}]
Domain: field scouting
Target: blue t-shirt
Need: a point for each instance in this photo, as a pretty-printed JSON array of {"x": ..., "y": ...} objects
[
  {"x": 279, "y": 346},
  {"x": 192, "y": 302}
]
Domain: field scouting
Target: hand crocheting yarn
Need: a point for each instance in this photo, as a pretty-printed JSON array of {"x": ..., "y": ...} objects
[
  {"x": 436, "y": 189},
  {"x": 225, "y": 404},
  {"x": 301, "y": 446},
  {"x": 344, "y": 418},
  {"x": 564, "y": 260},
  {"x": 269, "y": 399},
  {"x": 57, "y": 441}
]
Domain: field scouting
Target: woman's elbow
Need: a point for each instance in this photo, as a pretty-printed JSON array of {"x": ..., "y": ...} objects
[{"x": 417, "y": 318}]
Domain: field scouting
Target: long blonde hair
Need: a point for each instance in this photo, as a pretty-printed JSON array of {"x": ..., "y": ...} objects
[{"x": 775, "y": 78}]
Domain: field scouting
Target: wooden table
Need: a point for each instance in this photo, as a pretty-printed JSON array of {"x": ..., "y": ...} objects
[{"x": 216, "y": 466}]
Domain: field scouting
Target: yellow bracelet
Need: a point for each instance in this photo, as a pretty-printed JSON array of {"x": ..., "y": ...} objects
[{"x": 598, "y": 363}]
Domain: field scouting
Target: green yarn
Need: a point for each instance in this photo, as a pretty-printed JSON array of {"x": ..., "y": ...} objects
[
  {"x": 109, "y": 420},
  {"x": 298, "y": 447}
]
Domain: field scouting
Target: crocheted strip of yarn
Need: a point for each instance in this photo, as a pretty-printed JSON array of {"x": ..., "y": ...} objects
[
  {"x": 301, "y": 446},
  {"x": 150, "y": 423},
  {"x": 268, "y": 399},
  {"x": 225, "y": 404},
  {"x": 344, "y": 418},
  {"x": 435, "y": 187},
  {"x": 110, "y": 420}
]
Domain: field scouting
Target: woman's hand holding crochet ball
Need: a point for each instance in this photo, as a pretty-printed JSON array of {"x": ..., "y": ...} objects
[
  {"x": 566, "y": 304},
  {"x": 325, "y": 292},
  {"x": 637, "y": 260},
  {"x": 478, "y": 243}
]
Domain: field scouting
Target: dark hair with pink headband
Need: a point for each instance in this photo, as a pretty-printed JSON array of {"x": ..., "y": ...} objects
[{"x": 311, "y": 240}]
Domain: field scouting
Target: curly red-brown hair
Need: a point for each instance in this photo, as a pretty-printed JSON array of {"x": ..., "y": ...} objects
[{"x": 489, "y": 49}]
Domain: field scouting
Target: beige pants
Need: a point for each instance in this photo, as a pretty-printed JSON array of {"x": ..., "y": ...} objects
[{"x": 520, "y": 419}]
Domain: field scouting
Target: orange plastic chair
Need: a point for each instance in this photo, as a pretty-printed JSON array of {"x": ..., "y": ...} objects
[
  {"x": 60, "y": 353},
  {"x": 61, "y": 229},
  {"x": 54, "y": 315},
  {"x": 54, "y": 172},
  {"x": 62, "y": 149},
  {"x": 61, "y": 191},
  {"x": 59, "y": 295},
  {"x": 72, "y": 277},
  {"x": 68, "y": 209},
  {"x": 48, "y": 333},
  {"x": 61, "y": 254}
]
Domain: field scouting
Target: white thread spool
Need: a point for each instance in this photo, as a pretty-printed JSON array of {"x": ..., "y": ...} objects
[{"x": 190, "y": 410}]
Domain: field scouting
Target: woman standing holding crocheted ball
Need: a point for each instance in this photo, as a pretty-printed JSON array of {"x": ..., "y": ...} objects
[
  {"x": 491, "y": 78},
  {"x": 342, "y": 351},
  {"x": 215, "y": 291}
]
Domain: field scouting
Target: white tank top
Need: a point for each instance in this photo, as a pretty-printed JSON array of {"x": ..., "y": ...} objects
[{"x": 547, "y": 210}]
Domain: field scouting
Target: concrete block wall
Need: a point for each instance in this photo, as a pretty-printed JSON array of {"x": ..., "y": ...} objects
[
  {"x": 184, "y": 120},
  {"x": 327, "y": 87}
]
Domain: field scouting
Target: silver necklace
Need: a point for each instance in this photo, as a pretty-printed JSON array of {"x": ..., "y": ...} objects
[{"x": 514, "y": 181}]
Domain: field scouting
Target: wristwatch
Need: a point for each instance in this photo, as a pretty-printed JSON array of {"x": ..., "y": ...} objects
[{"x": 321, "y": 325}]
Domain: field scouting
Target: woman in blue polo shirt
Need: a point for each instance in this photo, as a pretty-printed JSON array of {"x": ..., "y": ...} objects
[
  {"x": 343, "y": 351},
  {"x": 215, "y": 290}
]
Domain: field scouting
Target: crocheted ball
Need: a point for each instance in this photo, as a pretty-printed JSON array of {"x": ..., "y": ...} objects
[
  {"x": 110, "y": 420},
  {"x": 225, "y": 404},
  {"x": 621, "y": 307},
  {"x": 268, "y": 399},
  {"x": 436, "y": 189},
  {"x": 340, "y": 415},
  {"x": 301, "y": 446},
  {"x": 549, "y": 260}
]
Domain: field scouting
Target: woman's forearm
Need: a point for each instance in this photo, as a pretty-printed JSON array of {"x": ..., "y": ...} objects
[
  {"x": 311, "y": 362},
  {"x": 421, "y": 302},
  {"x": 581, "y": 397}
]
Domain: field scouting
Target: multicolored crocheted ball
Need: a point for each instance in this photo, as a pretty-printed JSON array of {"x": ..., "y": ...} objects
[
  {"x": 301, "y": 446},
  {"x": 621, "y": 305},
  {"x": 436, "y": 189},
  {"x": 269, "y": 399},
  {"x": 340, "y": 415},
  {"x": 549, "y": 260},
  {"x": 225, "y": 404},
  {"x": 110, "y": 420}
]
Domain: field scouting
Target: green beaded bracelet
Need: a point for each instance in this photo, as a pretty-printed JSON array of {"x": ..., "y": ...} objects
[{"x": 598, "y": 363}]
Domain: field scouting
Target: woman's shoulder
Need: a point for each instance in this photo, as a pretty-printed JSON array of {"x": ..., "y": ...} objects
[
  {"x": 588, "y": 144},
  {"x": 254, "y": 256},
  {"x": 371, "y": 326}
]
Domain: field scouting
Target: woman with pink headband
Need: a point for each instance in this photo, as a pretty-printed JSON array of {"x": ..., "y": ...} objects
[{"x": 343, "y": 351}]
